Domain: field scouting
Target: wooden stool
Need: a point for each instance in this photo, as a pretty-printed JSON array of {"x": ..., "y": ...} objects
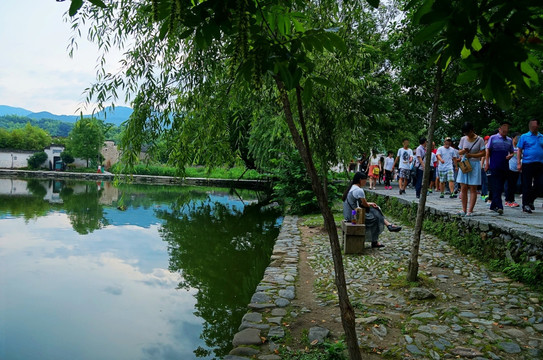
[{"x": 354, "y": 237}]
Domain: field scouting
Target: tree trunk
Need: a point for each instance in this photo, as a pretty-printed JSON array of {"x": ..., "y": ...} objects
[
  {"x": 413, "y": 269},
  {"x": 346, "y": 309}
]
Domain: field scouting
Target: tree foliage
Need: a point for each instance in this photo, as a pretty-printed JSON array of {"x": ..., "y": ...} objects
[
  {"x": 494, "y": 41},
  {"x": 27, "y": 138},
  {"x": 36, "y": 160},
  {"x": 86, "y": 139}
]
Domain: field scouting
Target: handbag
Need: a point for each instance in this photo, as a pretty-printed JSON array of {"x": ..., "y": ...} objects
[
  {"x": 465, "y": 164},
  {"x": 376, "y": 171}
]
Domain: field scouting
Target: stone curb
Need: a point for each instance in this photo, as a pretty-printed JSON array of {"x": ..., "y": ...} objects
[
  {"x": 145, "y": 179},
  {"x": 263, "y": 322}
]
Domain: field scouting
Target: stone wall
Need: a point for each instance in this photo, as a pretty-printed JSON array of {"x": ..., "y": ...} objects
[
  {"x": 489, "y": 240},
  {"x": 141, "y": 179},
  {"x": 270, "y": 302}
]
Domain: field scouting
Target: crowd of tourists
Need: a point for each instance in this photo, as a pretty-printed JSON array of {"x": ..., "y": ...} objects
[{"x": 493, "y": 167}]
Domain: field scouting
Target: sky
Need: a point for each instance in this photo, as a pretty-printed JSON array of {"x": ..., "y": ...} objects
[{"x": 36, "y": 72}]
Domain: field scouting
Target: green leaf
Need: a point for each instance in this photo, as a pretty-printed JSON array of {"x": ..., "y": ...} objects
[
  {"x": 75, "y": 6},
  {"x": 476, "y": 44},
  {"x": 534, "y": 60},
  {"x": 298, "y": 25},
  {"x": 423, "y": 10},
  {"x": 374, "y": 3},
  {"x": 184, "y": 35},
  {"x": 98, "y": 3},
  {"x": 529, "y": 72},
  {"x": 281, "y": 25},
  {"x": 163, "y": 30},
  {"x": 429, "y": 31},
  {"x": 466, "y": 77},
  {"x": 465, "y": 53},
  {"x": 502, "y": 95},
  {"x": 447, "y": 63},
  {"x": 337, "y": 41}
]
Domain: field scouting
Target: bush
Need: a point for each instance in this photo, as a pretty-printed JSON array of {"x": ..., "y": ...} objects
[
  {"x": 66, "y": 157},
  {"x": 36, "y": 160},
  {"x": 294, "y": 186}
]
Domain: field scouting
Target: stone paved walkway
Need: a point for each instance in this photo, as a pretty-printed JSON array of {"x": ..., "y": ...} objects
[
  {"x": 476, "y": 313},
  {"x": 513, "y": 218}
]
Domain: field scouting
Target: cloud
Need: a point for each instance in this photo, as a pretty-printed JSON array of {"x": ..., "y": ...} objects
[
  {"x": 114, "y": 290},
  {"x": 35, "y": 70}
]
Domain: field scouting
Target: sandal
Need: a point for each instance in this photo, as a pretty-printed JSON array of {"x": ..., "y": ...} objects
[
  {"x": 394, "y": 228},
  {"x": 377, "y": 245},
  {"x": 461, "y": 213},
  {"x": 470, "y": 214}
]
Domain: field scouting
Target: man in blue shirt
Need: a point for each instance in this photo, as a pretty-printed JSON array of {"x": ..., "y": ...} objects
[
  {"x": 530, "y": 162},
  {"x": 498, "y": 152}
]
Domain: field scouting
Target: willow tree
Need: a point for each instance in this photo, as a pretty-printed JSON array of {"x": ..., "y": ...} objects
[{"x": 177, "y": 50}]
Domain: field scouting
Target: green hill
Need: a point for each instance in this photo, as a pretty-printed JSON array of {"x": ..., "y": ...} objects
[{"x": 55, "y": 128}]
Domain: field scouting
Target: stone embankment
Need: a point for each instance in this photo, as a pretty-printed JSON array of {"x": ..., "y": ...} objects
[
  {"x": 263, "y": 323},
  {"x": 145, "y": 179},
  {"x": 515, "y": 235}
]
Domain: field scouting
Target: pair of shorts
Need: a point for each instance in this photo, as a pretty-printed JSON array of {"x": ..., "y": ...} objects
[
  {"x": 405, "y": 173},
  {"x": 447, "y": 175}
]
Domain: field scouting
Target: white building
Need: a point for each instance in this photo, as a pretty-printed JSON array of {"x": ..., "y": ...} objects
[{"x": 15, "y": 159}]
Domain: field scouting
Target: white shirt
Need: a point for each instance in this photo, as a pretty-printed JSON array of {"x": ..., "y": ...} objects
[
  {"x": 389, "y": 163},
  {"x": 405, "y": 157},
  {"x": 447, "y": 154}
]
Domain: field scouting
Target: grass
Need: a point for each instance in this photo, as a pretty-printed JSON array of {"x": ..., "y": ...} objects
[
  {"x": 316, "y": 220},
  {"x": 327, "y": 351},
  {"x": 191, "y": 171}
]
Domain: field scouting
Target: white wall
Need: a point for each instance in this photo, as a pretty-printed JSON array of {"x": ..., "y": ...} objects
[{"x": 14, "y": 159}]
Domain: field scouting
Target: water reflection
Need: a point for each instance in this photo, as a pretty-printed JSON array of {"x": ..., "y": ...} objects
[
  {"x": 80, "y": 278},
  {"x": 218, "y": 249}
]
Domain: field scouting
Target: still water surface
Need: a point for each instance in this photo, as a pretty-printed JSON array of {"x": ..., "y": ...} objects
[{"x": 93, "y": 271}]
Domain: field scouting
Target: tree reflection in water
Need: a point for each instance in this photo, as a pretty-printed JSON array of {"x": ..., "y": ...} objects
[
  {"x": 84, "y": 210},
  {"x": 221, "y": 251}
]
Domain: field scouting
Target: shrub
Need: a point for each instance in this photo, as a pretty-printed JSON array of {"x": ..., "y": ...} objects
[
  {"x": 66, "y": 157},
  {"x": 293, "y": 186},
  {"x": 36, "y": 160}
]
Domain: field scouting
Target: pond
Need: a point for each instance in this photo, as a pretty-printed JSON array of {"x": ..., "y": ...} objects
[{"x": 89, "y": 270}]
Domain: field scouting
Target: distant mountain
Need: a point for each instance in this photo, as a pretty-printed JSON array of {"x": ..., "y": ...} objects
[
  {"x": 48, "y": 115},
  {"x": 116, "y": 116},
  {"x": 10, "y": 110}
]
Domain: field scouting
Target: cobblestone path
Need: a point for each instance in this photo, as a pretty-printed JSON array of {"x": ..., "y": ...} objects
[{"x": 476, "y": 313}]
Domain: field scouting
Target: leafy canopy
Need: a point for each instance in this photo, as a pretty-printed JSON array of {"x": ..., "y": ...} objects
[
  {"x": 495, "y": 41},
  {"x": 86, "y": 139}
]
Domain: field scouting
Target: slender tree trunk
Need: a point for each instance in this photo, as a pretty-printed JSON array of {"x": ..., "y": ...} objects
[
  {"x": 413, "y": 269},
  {"x": 346, "y": 309}
]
